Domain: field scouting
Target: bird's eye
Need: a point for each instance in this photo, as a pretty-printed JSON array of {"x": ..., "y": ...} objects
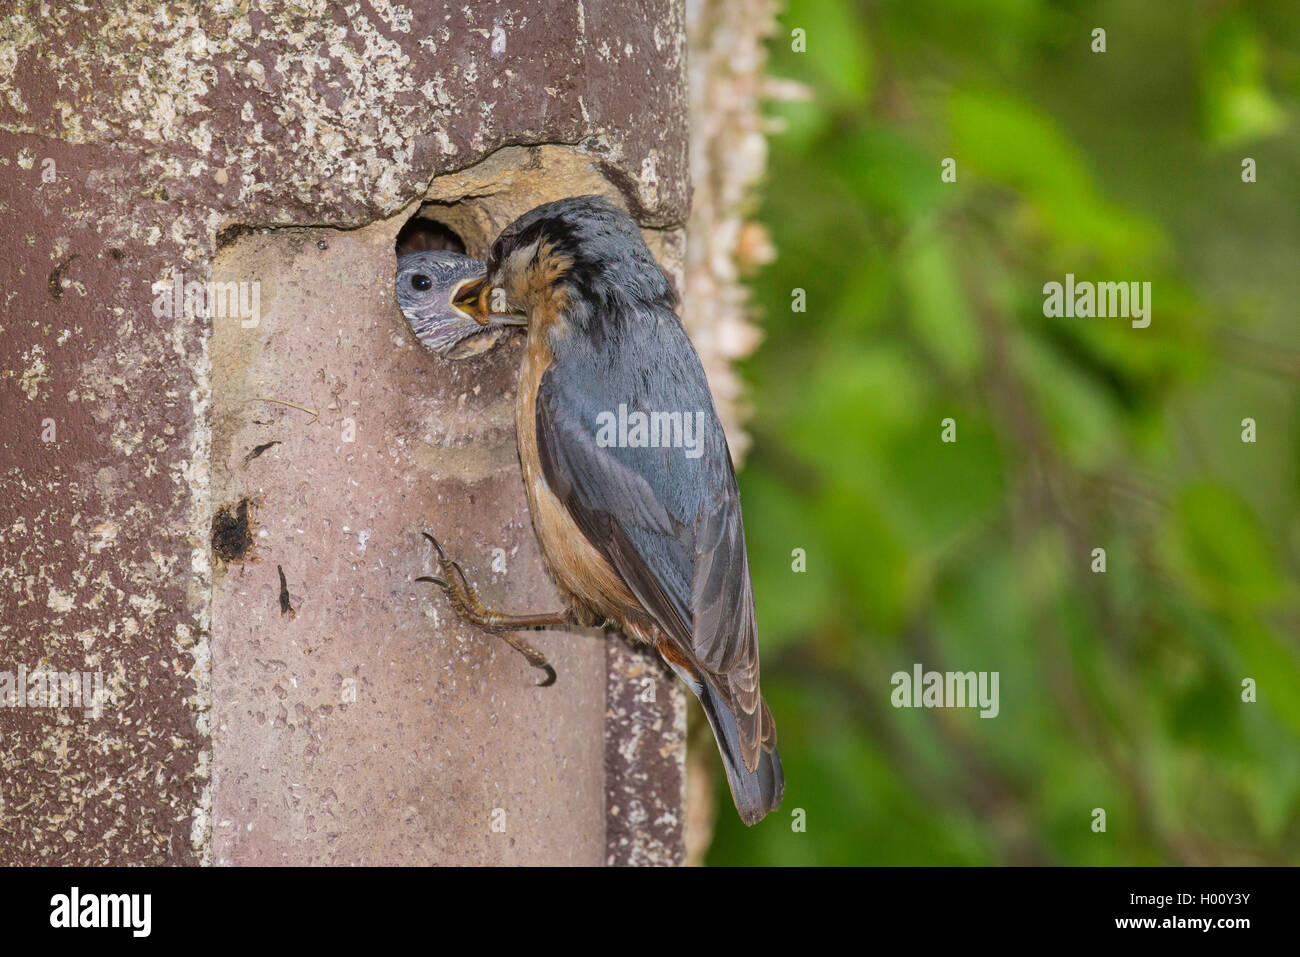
[{"x": 421, "y": 283}]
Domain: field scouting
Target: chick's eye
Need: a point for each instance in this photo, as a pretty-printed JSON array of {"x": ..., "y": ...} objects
[{"x": 422, "y": 283}]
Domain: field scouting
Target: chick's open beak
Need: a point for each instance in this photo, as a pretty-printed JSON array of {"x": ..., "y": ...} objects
[
  {"x": 469, "y": 298},
  {"x": 473, "y": 299}
]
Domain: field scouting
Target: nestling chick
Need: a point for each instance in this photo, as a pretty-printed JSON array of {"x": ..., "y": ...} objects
[{"x": 436, "y": 292}]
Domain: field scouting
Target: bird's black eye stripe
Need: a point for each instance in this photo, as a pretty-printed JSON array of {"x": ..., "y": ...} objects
[{"x": 421, "y": 282}]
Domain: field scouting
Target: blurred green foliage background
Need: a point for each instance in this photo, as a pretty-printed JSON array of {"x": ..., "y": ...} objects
[{"x": 1122, "y": 690}]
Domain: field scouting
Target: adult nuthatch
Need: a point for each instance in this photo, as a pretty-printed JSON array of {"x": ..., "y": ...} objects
[
  {"x": 436, "y": 291},
  {"x": 637, "y": 512}
]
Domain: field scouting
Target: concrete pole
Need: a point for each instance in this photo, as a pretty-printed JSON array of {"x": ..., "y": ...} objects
[{"x": 165, "y": 459}]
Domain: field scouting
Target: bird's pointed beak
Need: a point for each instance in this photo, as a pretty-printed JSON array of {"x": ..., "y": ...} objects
[{"x": 473, "y": 298}]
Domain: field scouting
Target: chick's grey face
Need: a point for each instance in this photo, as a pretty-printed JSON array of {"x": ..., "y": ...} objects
[{"x": 437, "y": 291}]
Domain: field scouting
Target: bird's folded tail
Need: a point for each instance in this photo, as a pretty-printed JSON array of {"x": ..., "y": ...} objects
[{"x": 755, "y": 792}]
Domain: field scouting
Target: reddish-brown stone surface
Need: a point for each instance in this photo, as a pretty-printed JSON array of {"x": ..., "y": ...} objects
[{"x": 133, "y": 136}]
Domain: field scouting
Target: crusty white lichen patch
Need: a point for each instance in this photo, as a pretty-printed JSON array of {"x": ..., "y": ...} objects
[
  {"x": 36, "y": 372},
  {"x": 194, "y": 474},
  {"x": 164, "y": 63},
  {"x": 58, "y": 601}
]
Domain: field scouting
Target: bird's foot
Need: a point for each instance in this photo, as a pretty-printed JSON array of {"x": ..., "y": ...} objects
[{"x": 469, "y": 608}]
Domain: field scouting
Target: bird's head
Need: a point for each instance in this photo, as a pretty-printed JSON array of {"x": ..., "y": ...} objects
[
  {"x": 439, "y": 293},
  {"x": 581, "y": 258}
]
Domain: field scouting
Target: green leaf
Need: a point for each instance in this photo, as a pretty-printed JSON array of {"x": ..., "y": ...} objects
[
  {"x": 1012, "y": 143},
  {"x": 1216, "y": 542},
  {"x": 838, "y": 58},
  {"x": 937, "y": 305},
  {"x": 1274, "y": 667},
  {"x": 1236, "y": 102}
]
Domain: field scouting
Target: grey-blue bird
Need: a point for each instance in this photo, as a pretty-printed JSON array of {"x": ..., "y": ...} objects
[{"x": 639, "y": 519}]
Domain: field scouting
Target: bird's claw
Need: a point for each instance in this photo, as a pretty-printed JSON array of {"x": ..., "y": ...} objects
[
  {"x": 457, "y": 587},
  {"x": 464, "y": 599},
  {"x": 442, "y": 556}
]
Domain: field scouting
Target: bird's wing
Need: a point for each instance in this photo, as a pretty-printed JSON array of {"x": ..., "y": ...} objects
[{"x": 668, "y": 523}]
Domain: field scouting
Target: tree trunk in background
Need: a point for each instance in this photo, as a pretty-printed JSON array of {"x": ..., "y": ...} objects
[
  {"x": 346, "y": 717},
  {"x": 728, "y": 157}
]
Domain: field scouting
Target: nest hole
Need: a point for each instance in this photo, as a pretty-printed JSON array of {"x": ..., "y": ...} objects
[{"x": 423, "y": 232}]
